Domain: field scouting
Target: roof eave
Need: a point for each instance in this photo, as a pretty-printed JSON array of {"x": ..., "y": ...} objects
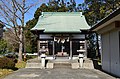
[
  {"x": 98, "y": 25},
  {"x": 37, "y": 31}
]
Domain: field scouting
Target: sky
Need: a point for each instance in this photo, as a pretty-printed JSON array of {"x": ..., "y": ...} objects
[{"x": 31, "y": 12}]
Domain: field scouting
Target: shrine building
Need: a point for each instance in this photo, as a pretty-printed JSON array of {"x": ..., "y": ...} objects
[{"x": 62, "y": 34}]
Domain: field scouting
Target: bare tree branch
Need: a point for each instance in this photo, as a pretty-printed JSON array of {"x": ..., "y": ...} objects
[{"x": 13, "y": 12}]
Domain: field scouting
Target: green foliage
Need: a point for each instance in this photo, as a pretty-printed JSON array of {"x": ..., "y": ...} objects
[
  {"x": 7, "y": 63},
  {"x": 3, "y": 46},
  {"x": 37, "y": 14},
  {"x": 92, "y": 45},
  {"x": 95, "y": 10},
  {"x": 31, "y": 23},
  {"x": 1, "y": 24},
  {"x": 30, "y": 37}
]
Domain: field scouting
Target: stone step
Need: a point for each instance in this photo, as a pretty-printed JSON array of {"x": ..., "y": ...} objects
[
  {"x": 50, "y": 64},
  {"x": 61, "y": 60},
  {"x": 62, "y": 57},
  {"x": 33, "y": 65},
  {"x": 62, "y": 65},
  {"x": 75, "y": 64},
  {"x": 88, "y": 64},
  {"x": 35, "y": 60}
]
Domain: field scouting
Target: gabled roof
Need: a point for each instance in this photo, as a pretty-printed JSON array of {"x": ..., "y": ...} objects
[
  {"x": 114, "y": 16},
  {"x": 61, "y": 22}
]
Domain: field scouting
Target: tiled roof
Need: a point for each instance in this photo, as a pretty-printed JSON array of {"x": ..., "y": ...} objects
[{"x": 61, "y": 22}]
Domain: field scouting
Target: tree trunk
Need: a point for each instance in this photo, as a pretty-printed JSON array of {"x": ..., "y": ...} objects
[
  {"x": 20, "y": 47},
  {"x": 20, "y": 53}
]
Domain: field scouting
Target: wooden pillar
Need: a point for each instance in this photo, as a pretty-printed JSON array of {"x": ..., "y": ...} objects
[
  {"x": 85, "y": 45},
  {"x": 85, "y": 48},
  {"x": 53, "y": 49},
  {"x": 70, "y": 49},
  {"x": 38, "y": 45}
]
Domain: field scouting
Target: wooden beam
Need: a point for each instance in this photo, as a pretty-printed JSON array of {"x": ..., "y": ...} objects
[{"x": 117, "y": 24}]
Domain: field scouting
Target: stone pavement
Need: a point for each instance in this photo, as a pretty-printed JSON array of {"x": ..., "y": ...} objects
[{"x": 58, "y": 73}]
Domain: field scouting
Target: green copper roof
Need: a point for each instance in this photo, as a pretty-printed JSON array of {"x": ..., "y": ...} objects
[{"x": 61, "y": 22}]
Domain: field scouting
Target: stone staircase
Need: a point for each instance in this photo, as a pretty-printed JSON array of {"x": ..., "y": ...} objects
[{"x": 60, "y": 63}]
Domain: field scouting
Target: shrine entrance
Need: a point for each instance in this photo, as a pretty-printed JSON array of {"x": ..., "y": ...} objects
[
  {"x": 62, "y": 49},
  {"x": 63, "y": 46}
]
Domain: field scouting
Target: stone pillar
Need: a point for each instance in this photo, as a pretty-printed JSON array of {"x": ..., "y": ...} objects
[
  {"x": 43, "y": 56},
  {"x": 81, "y": 62}
]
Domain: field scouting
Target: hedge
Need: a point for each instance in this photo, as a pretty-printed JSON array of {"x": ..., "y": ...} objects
[{"x": 7, "y": 63}]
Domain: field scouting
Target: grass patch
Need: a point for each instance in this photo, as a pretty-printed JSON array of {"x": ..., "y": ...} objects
[
  {"x": 4, "y": 72},
  {"x": 21, "y": 64}
]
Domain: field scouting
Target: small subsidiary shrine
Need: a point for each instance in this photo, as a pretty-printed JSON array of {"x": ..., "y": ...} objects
[
  {"x": 109, "y": 31},
  {"x": 62, "y": 34}
]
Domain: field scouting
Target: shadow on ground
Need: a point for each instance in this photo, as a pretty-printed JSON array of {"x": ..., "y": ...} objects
[
  {"x": 96, "y": 65},
  {"x": 99, "y": 67}
]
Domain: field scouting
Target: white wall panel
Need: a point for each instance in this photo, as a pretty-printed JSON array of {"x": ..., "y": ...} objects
[
  {"x": 78, "y": 36},
  {"x": 45, "y": 36},
  {"x": 105, "y": 52},
  {"x": 110, "y": 52},
  {"x": 114, "y": 50}
]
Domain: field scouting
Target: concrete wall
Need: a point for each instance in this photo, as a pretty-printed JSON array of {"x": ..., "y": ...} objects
[{"x": 111, "y": 51}]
